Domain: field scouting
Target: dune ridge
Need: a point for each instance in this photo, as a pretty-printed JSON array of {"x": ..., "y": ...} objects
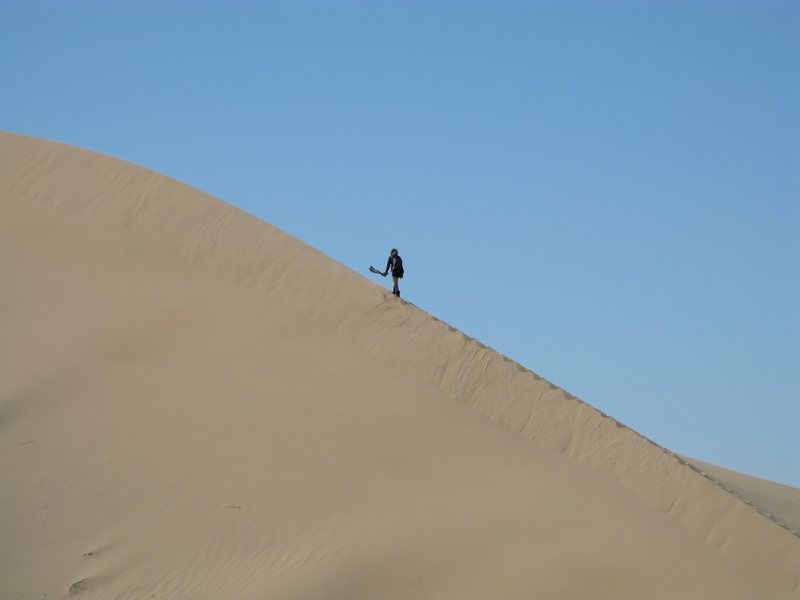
[
  {"x": 244, "y": 250},
  {"x": 777, "y": 502}
]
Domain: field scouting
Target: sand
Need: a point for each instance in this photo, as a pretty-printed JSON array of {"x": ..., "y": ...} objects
[
  {"x": 194, "y": 404},
  {"x": 778, "y": 502}
]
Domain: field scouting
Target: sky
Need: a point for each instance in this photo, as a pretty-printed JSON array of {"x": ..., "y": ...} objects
[{"x": 606, "y": 191}]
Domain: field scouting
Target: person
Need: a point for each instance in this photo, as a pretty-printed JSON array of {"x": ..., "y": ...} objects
[{"x": 395, "y": 264}]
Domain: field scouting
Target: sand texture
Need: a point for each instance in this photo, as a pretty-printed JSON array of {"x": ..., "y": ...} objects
[
  {"x": 778, "y": 502},
  {"x": 196, "y": 405}
]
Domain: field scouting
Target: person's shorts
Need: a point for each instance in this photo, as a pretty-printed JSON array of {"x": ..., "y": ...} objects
[{"x": 397, "y": 273}]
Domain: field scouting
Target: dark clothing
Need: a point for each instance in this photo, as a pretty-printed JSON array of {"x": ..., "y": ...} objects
[{"x": 395, "y": 264}]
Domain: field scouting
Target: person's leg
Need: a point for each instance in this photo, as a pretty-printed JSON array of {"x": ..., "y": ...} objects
[{"x": 396, "y": 289}]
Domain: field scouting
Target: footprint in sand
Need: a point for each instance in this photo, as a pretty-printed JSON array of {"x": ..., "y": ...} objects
[{"x": 78, "y": 587}]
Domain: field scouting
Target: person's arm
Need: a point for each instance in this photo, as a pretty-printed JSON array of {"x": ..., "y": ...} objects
[{"x": 388, "y": 264}]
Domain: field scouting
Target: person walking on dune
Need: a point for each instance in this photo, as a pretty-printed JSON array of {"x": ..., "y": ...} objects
[{"x": 395, "y": 265}]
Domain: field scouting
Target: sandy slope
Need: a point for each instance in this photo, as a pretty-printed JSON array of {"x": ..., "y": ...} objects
[
  {"x": 194, "y": 404},
  {"x": 778, "y": 502}
]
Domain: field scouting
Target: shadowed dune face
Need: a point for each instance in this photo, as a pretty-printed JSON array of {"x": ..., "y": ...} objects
[{"x": 194, "y": 404}]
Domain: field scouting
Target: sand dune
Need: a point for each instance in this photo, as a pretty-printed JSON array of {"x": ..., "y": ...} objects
[
  {"x": 194, "y": 404},
  {"x": 778, "y": 502}
]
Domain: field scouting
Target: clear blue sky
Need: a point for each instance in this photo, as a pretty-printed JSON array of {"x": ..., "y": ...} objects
[{"x": 608, "y": 192}]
